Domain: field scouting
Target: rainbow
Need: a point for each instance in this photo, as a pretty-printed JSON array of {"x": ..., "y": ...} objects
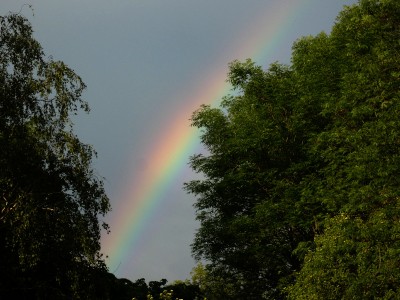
[{"x": 178, "y": 140}]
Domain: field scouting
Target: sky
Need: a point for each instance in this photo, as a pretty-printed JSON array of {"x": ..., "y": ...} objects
[{"x": 148, "y": 64}]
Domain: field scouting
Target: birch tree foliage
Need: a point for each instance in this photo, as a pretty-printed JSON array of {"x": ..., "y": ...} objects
[{"x": 51, "y": 198}]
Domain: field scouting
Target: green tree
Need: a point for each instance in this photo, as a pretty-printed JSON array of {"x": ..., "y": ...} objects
[
  {"x": 354, "y": 259},
  {"x": 185, "y": 290},
  {"x": 301, "y": 179},
  {"x": 156, "y": 287},
  {"x": 248, "y": 202},
  {"x": 212, "y": 287},
  {"x": 51, "y": 198},
  {"x": 356, "y": 256}
]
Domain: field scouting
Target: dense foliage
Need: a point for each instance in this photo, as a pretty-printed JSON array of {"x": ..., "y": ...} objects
[
  {"x": 357, "y": 255},
  {"x": 109, "y": 287},
  {"x": 50, "y": 197},
  {"x": 300, "y": 196}
]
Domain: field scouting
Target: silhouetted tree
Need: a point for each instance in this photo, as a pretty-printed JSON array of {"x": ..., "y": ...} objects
[{"x": 51, "y": 198}]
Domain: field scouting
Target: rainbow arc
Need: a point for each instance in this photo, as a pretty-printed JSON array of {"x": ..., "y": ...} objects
[{"x": 177, "y": 141}]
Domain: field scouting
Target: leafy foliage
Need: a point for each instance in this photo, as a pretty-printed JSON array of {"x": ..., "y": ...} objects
[
  {"x": 253, "y": 179},
  {"x": 210, "y": 285},
  {"x": 355, "y": 257},
  {"x": 159, "y": 290},
  {"x": 50, "y": 196},
  {"x": 300, "y": 195}
]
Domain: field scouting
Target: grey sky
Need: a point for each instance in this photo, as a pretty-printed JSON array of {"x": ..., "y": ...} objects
[{"x": 139, "y": 59}]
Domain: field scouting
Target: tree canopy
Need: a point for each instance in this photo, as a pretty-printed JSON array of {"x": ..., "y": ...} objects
[
  {"x": 51, "y": 198},
  {"x": 300, "y": 194}
]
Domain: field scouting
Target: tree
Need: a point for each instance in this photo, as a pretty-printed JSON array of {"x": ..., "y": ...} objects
[
  {"x": 354, "y": 259},
  {"x": 356, "y": 256},
  {"x": 248, "y": 202},
  {"x": 300, "y": 193},
  {"x": 156, "y": 287},
  {"x": 51, "y": 198},
  {"x": 211, "y": 286},
  {"x": 185, "y": 290}
]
